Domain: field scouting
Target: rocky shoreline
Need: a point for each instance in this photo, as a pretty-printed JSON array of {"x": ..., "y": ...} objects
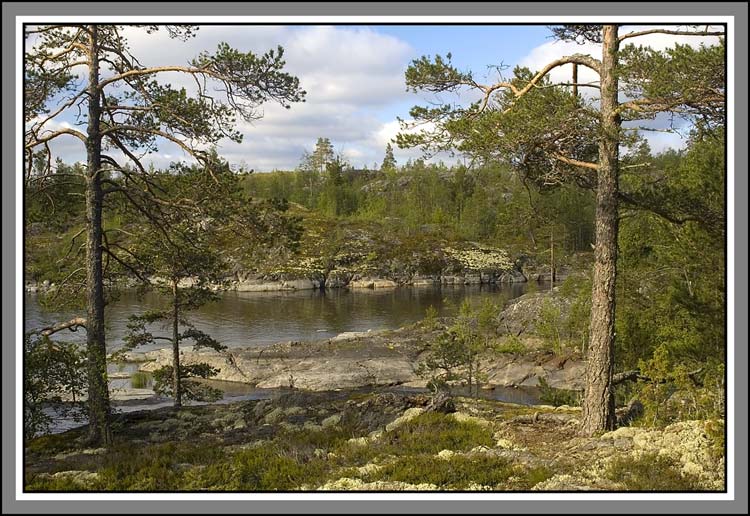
[
  {"x": 359, "y": 359},
  {"x": 244, "y": 281},
  {"x": 276, "y": 283},
  {"x": 262, "y": 283}
]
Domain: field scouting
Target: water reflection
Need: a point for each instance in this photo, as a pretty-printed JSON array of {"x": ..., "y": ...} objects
[{"x": 248, "y": 318}]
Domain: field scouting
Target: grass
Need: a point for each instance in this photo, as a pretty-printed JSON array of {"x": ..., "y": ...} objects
[
  {"x": 511, "y": 344},
  {"x": 457, "y": 473},
  {"x": 140, "y": 380},
  {"x": 427, "y": 434},
  {"x": 432, "y": 432},
  {"x": 291, "y": 460},
  {"x": 305, "y": 459},
  {"x": 265, "y": 468},
  {"x": 650, "y": 472}
]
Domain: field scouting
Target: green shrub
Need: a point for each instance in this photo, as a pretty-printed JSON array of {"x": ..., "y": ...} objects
[
  {"x": 159, "y": 467},
  {"x": 511, "y": 344},
  {"x": 677, "y": 392},
  {"x": 432, "y": 432},
  {"x": 303, "y": 443},
  {"x": 456, "y": 355},
  {"x": 53, "y": 443},
  {"x": 45, "y": 484},
  {"x": 264, "y": 468},
  {"x": 430, "y": 321},
  {"x": 54, "y": 373},
  {"x": 549, "y": 326},
  {"x": 456, "y": 473},
  {"x": 650, "y": 472},
  {"x": 140, "y": 380}
]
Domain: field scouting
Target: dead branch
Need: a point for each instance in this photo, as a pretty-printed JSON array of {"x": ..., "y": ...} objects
[{"x": 72, "y": 325}]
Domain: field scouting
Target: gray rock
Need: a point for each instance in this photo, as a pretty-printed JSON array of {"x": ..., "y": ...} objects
[{"x": 331, "y": 421}]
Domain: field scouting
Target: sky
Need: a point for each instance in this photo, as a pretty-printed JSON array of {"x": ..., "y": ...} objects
[{"x": 354, "y": 78}]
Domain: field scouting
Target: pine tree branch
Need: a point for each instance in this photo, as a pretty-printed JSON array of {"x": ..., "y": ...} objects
[
  {"x": 579, "y": 59},
  {"x": 672, "y": 32},
  {"x": 72, "y": 325}
]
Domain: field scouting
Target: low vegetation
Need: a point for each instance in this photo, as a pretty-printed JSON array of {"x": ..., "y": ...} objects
[{"x": 366, "y": 442}]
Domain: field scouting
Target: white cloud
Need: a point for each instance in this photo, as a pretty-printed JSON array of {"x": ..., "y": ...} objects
[
  {"x": 349, "y": 74},
  {"x": 352, "y": 76},
  {"x": 552, "y": 50}
]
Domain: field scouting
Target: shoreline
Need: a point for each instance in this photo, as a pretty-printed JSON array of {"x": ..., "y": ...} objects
[
  {"x": 361, "y": 359},
  {"x": 356, "y": 282}
]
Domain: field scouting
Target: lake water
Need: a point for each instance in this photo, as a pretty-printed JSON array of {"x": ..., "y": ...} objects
[{"x": 258, "y": 318}]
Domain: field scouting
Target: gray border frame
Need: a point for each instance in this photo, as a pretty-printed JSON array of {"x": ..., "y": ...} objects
[{"x": 12, "y": 9}]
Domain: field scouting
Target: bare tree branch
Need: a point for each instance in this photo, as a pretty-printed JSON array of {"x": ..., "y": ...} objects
[
  {"x": 580, "y": 59},
  {"x": 55, "y": 134},
  {"x": 72, "y": 325},
  {"x": 575, "y": 162},
  {"x": 672, "y": 32}
]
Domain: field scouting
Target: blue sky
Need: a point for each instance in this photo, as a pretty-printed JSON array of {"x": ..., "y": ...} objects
[
  {"x": 472, "y": 47},
  {"x": 354, "y": 76}
]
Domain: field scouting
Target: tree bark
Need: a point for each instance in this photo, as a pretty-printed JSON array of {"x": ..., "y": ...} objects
[
  {"x": 98, "y": 389},
  {"x": 598, "y": 404},
  {"x": 176, "y": 385},
  {"x": 552, "y": 258}
]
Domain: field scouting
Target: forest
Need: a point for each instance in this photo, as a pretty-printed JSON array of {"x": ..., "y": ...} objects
[{"x": 619, "y": 333}]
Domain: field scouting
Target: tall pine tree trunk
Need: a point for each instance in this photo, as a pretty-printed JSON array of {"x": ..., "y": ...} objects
[
  {"x": 598, "y": 404},
  {"x": 176, "y": 384},
  {"x": 98, "y": 391}
]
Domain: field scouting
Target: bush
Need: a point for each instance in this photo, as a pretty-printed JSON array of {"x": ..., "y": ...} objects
[
  {"x": 140, "y": 380},
  {"x": 673, "y": 392},
  {"x": 650, "y": 472},
  {"x": 54, "y": 373},
  {"x": 459, "y": 472},
  {"x": 430, "y": 321},
  {"x": 564, "y": 323},
  {"x": 455, "y": 356},
  {"x": 511, "y": 344},
  {"x": 259, "y": 469},
  {"x": 159, "y": 467},
  {"x": 432, "y": 432}
]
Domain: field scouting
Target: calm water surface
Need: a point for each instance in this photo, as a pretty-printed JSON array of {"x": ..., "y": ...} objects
[
  {"x": 256, "y": 318},
  {"x": 252, "y": 318}
]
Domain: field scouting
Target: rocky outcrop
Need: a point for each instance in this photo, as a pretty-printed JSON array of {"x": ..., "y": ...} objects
[
  {"x": 523, "y": 313},
  {"x": 251, "y": 283},
  {"x": 339, "y": 279},
  {"x": 344, "y": 362},
  {"x": 358, "y": 359},
  {"x": 526, "y": 370},
  {"x": 372, "y": 283}
]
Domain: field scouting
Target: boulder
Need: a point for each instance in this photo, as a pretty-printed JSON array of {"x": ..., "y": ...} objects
[
  {"x": 257, "y": 285},
  {"x": 522, "y": 314},
  {"x": 298, "y": 284}
]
